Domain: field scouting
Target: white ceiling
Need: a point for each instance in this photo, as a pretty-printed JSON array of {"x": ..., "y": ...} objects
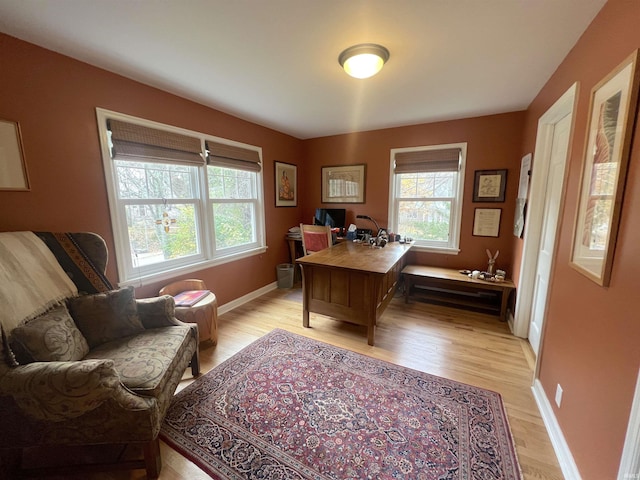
[{"x": 275, "y": 62}]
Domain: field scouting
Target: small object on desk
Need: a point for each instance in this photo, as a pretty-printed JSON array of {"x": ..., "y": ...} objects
[
  {"x": 492, "y": 260},
  {"x": 190, "y": 297}
]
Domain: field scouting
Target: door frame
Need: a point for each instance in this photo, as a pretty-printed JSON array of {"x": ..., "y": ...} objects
[
  {"x": 565, "y": 105},
  {"x": 630, "y": 460}
]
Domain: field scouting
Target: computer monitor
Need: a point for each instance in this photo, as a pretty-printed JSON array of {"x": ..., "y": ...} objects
[{"x": 334, "y": 217}]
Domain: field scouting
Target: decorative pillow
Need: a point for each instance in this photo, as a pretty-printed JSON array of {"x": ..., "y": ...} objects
[
  {"x": 103, "y": 317},
  {"x": 50, "y": 337}
]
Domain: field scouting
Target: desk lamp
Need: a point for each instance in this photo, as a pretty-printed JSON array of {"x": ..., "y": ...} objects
[
  {"x": 381, "y": 234},
  {"x": 367, "y": 217}
]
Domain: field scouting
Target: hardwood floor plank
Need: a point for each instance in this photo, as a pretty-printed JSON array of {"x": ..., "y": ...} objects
[{"x": 464, "y": 346}]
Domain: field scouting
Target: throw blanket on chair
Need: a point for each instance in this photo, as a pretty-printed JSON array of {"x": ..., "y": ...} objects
[
  {"x": 31, "y": 279},
  {"x": 75, "y": 261}
]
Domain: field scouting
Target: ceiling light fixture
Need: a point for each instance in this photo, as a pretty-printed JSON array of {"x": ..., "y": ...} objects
[{"x": 363, "y": 60}]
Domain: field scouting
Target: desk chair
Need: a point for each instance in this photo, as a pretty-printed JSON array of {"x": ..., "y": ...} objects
[{"x": 315, "y": 238}]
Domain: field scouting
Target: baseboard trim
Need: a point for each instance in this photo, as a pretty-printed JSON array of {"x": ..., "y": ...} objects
[
  {"x": 567, "y": 464},
  {"x": 246, "y": 298}
]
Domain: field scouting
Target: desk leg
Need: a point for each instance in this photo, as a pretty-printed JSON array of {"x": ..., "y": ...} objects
[
  {"x": 371, "y": 333},
  {"x": 305, "y": 300},
  {"x": 292, "y": 250},
  {"x": 376, "y": 283}
]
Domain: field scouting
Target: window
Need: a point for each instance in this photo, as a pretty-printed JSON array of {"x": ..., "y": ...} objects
[
  {"x": 180, "y": 201},
  {"x": 425, "y": 195},
  {"x": 233, "y": 195}
]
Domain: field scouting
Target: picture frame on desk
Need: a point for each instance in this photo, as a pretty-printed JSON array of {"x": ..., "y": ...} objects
[
  {"x": 286, "y": 178},
  {"x": 343, "y": 184}
]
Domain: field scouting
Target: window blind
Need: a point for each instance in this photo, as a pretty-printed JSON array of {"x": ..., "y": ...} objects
[
  {"x": 136, "y": 142},
  {"x": 229, "y": 156},
  {"x": 443, "y": 160}
]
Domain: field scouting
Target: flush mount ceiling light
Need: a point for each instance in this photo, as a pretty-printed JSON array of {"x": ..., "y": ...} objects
[{"x": 363, "y": 60}]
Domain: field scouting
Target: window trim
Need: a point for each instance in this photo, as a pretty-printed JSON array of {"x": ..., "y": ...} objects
[
  {"x": 208, "y": 257},
  {"x": 453, "y": 247}
]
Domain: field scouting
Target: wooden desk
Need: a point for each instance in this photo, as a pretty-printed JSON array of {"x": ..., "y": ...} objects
[
  {"x": 450, "y": 287},
  {"x": 351, "y": 282},
  {"x": 293, "y": 241}
]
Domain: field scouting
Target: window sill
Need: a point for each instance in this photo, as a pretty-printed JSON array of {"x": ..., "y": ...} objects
[
  {"x": 441, "y": 250},
  {"x": 194, "y": 267}
]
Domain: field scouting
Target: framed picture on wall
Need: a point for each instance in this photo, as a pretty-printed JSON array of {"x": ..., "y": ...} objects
[
  {"x": 612, "y": 113},
  {"x": 286, "y": 184},
  {"x": 13, "y": 169},
  {"x": 343, "y": 184},
  {"x": 489, "y": 185},
  {"x": 486, "y": 222}
]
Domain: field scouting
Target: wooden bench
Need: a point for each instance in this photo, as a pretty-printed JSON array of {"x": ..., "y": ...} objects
[{"x": 449, "y": 287}]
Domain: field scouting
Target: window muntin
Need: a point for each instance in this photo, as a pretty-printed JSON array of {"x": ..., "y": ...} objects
[
  {"x": 427, "y": 205},
  {"x": 174, "y": 216}
]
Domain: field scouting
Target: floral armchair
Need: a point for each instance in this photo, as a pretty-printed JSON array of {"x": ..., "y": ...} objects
[{"x": 82, "y": 363}]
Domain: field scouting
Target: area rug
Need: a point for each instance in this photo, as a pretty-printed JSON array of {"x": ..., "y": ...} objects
[{"x": 288, "y": 407}]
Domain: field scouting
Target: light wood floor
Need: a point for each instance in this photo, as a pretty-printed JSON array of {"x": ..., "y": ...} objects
[{"x": 468, "y": 347}]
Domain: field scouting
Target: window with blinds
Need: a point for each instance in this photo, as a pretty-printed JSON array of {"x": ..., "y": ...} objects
[
  {"x": 178, "y": 198},
  {"x": 425, "y": 199}
]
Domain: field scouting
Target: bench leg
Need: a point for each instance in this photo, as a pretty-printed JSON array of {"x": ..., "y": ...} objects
[{"x": 407, "y": 288}]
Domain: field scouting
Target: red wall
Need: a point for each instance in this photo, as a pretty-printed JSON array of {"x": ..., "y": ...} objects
[
  {"x": 592, "y": 333},
  {"x": 590, "y": 344},
  {"x": 493, "y": 142},
  {"x": 54, "y": 98}
]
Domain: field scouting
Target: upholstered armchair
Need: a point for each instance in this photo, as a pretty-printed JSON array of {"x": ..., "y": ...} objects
[{"x": 82, "y": 363}]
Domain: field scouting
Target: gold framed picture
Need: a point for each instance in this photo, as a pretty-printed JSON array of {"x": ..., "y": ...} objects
[
  {"x": 612, "y": 112},
  {"x": 286, "y": 184},
  {"x": 13, "y": 168},
  {"x": 343, "y": 184}
]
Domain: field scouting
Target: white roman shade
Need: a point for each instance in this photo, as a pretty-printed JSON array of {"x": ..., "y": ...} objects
[
  {"x": 229, "y": 156},
  {"x": 437, "y": 160},
  {"x": 136, "y": 142}
]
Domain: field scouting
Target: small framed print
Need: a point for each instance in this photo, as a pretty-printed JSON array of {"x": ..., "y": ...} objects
[
  {"x": 13, "y": 169},
  {"x": 286, "y": 186},
  {"x": 343, "y": 184},
  {"x": 486, "y": 222},
  {"x": 489, "y": 185}
]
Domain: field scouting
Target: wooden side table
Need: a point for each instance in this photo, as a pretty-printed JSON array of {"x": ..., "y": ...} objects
[{"x": 204, "y": 313}]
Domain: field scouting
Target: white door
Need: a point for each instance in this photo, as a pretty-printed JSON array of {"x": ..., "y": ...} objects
[{"x": 551, "y": 211}]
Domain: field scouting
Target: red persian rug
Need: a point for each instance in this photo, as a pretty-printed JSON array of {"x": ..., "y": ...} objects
[{"x": 288, "y": 407}]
